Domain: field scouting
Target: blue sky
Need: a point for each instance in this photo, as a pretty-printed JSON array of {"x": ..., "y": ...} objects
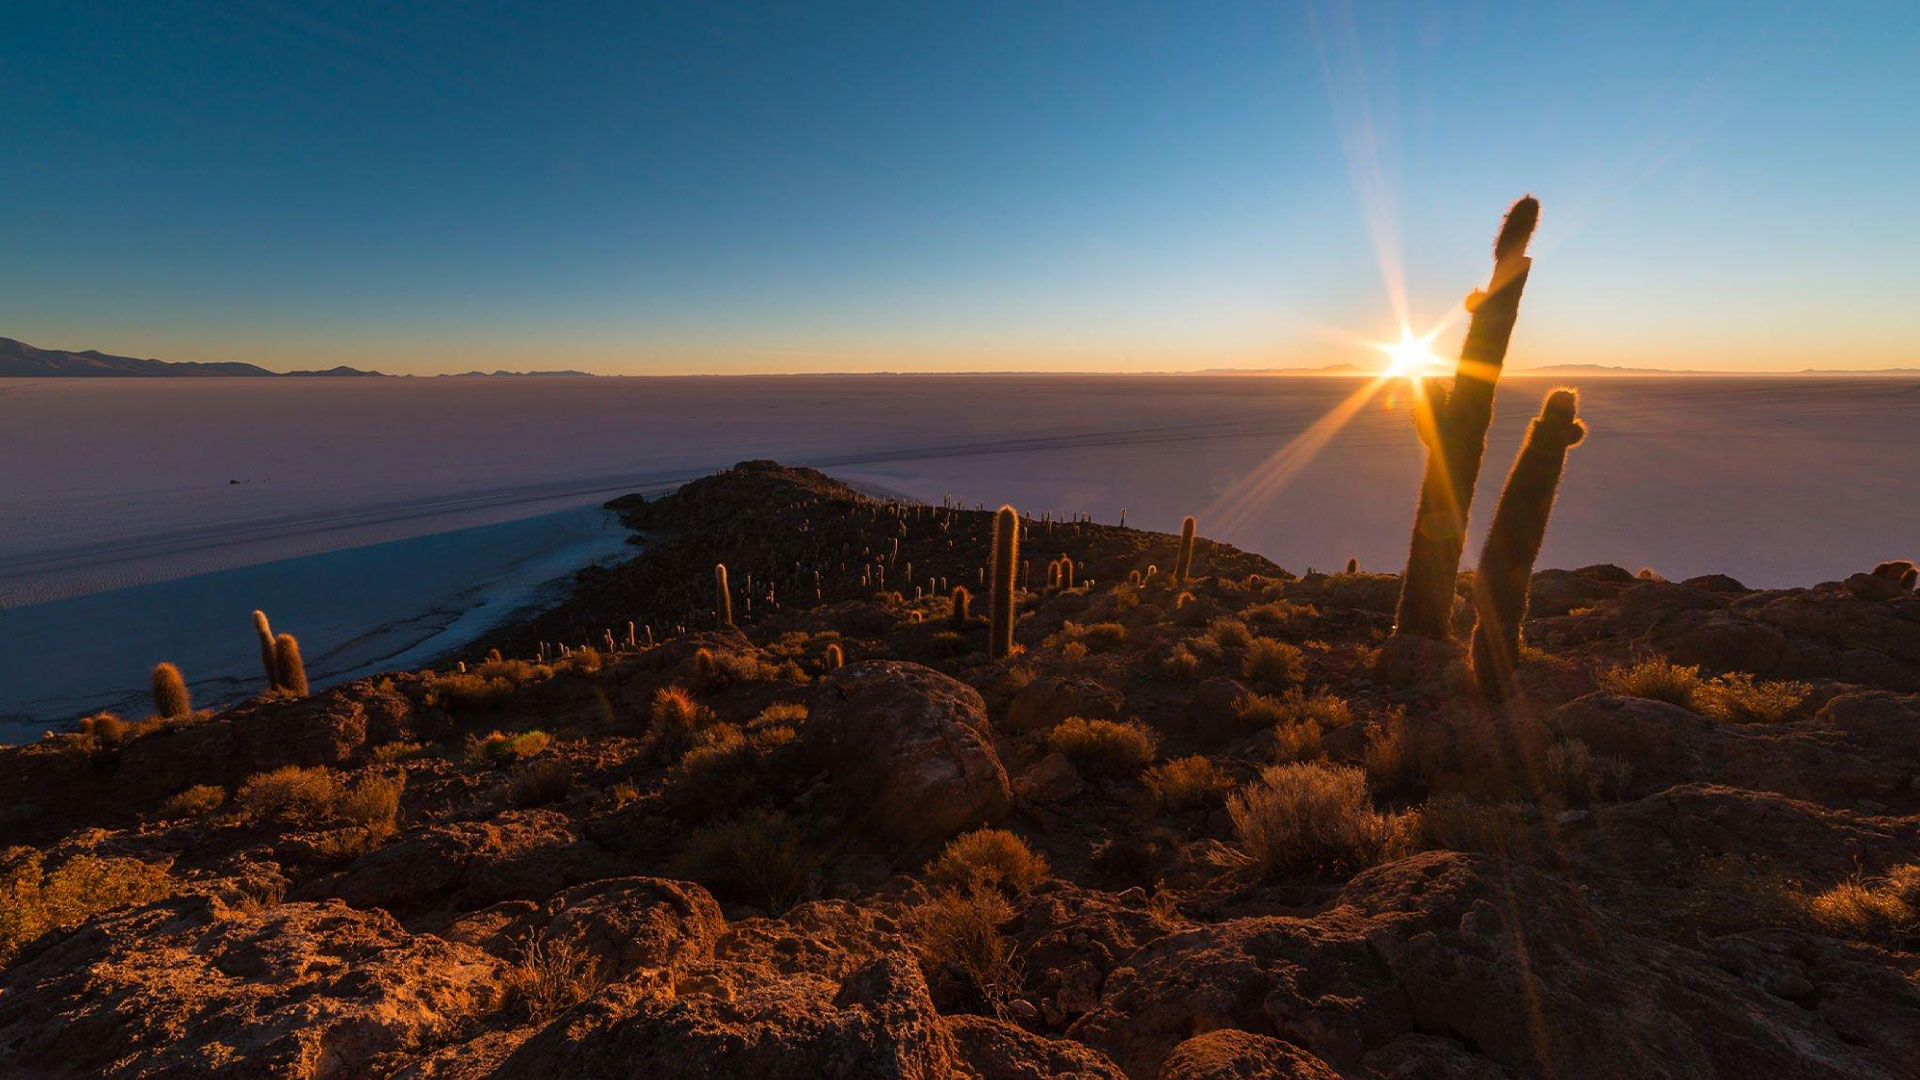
[{"x": 836, "y": 186}]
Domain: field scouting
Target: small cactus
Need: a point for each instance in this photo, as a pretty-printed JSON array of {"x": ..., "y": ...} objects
[
  {"x": 170, "y": 699},
  {"x": 264, "y": 631},
  {"x": 1066, "y": 572},
  {"x": 722, "y": 596},
  {"x": 962, "y": 606},
  {"x": 836, "y": 658},
  {"x": 1353, "y": 566},
  {"x": 1513, "y": 543},
  {"x": 286, "y": 659},
  {"x": 1183, "y": 563},
  {"x": 1454, "y": 427},
  {"x": 1006, "y": 558}
]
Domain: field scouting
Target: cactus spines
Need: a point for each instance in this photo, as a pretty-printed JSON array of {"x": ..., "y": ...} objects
[
  {"x": 170, "y": 698},
  {"x": 1066, "y": 572},
  {"x": 1519, "y": 524},
  {"x": 264, "y": 631},
  {"x": 1183, "y": 563},
  {"x": 1454, "y": 427},
  {"x": 962, "y": 606},
  {"x": 722, "y": 596},
  {"x": 835, "y": 657},
  {"x": 1006, "y": 558},
  {"x": 286, "y": 659}
]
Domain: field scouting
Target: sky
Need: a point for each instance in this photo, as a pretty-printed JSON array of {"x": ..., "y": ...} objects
[{"x": 1102, "y": 186}]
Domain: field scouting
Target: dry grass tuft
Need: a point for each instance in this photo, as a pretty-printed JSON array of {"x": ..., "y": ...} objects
[
  {"x": 1187, "y": 782},
  {"x": 760, "y": 855},
  {"x": 988, "y": 857},
  {"x": 1272, "y": 661},
  {"x": 33, "y": 901},
  {"x": 552, "y": 974},
  {"x": 1886, "y": 909},
  {"x": 1103, "y": 746},
  {"x": 1313, "y": 816},
  {"x": 1450, "y": 823},
  {"x": 290, "y": 795},
  {"x": 959, "y": 932},
  {"x": 1582, "y": 777},
  {"x": 501, "y": 749},
  {"x": 1738, "y": 698},
  {"x": 1654, "y": 677},
  {"x": 196, "y": 801},
  {"x": 538, "y": 783},
  {"x": 1394, "y": 756}
]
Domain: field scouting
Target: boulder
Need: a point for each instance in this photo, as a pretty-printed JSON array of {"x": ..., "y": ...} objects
[
  {"x": 629, "y": 923},
  {"x": 1230, "y": 1054},
  {"x": 1049, "y": 699},
  {"x": 465, "y": 865},
  {"x": 187, "y": 988},
  {"x": 910, "y": 747},
  {"x": 996, "y": 1050}
]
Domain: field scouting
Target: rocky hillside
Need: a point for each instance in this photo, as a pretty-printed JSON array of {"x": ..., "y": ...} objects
[{"x": 1188, "y": 830}]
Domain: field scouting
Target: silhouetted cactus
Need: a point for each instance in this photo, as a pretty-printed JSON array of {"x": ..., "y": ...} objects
[
  {"x": 1454, "y": 427},
  {"x": 286, "y": 659},
  {"x": 1353, "y": 566},
  {"x": 170, "y": 698},
  {"x": 1183, "y": 563},
  {"x": 962, "y": 606},
  {"x": 1006, "y": 557},
  {"x": 264, "y": 631},
  {"x": 835, "y": 658},
  {"x": 722, "y": 596},
  {"x": 1513, "y": 543}
]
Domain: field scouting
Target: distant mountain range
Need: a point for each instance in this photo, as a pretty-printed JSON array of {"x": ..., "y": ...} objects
[
  {"x": 1607, "y": 369},
  {"x": 21, "y": 360}
]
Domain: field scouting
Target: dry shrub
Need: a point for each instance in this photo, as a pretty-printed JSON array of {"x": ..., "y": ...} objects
[
  {"x": 485, "y": 684},
  {"x": 1187, "y": 782},
  {"x": 1582, "y": 777},
  {"x": 1450, "y": 823},
  {"x": 1394, "y": 756},
  {"x": 1279, "y": 613},
  {"x": 552, "y": 974},
  {"x": 1181, "y": 663},
  {"x": 989, "y": 857},
  {"x": 725, "y": 768},
  {"x": 1296, "y": 742},
  {"x": 782, "y": 712},
  {"x": 538, "y": 783},
  {"x": 1313, "y": 816},
  {"x": 390, "y": 753},
  {"x": 368, "y": 813},
  {"x": 1271, "y": 661},
  {"x": 1103, "y": 746},
  {"x": 760, "y": 856},
  {"x": 1229, "y": 633},
  {"x": 1886, "y": 909},
  {"x": 958, "y": 932},
  {"x": 33, "y": 901},
  {"x": 500, "y": 749},
  {"x": 291, "y": 795},
  {"x": 1654, "y": 677},
  {"x": 196, "y": 801},
  {"x": 1738, "y": 698},
  {"x": 586, "y": 660}
]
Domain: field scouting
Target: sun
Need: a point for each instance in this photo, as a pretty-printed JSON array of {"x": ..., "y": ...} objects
[{"x": 1412, "y": 357}]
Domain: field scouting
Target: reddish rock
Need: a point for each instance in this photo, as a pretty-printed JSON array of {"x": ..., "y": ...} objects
[
  {"x": 910, "y": 747},
  {"x": 632, "y": 922},
  {"x": 1049, "y": 699},
  {"x": 517, "y": 855},
  {"x": 1049, "y": 781},
  {"x": 1229, "y": 1054},
  {"x": 994, "y": 1050}
]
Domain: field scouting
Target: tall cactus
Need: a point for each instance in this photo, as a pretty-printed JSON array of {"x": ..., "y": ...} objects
[
  {"x": 1183, "y": 563},
  {"x": 1006, "y": 557},
  {"x": 264, "y": 631},
  {"x": 722, "y": 596},
  {"x": 170, "y": 699},
  {"x": 1454, "y": 428},
  {"x": 1519, "y": 524},
  {"x": 293, "y": 671}
]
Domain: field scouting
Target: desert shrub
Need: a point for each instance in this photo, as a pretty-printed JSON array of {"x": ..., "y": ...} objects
[
  {"x": 990, "y": 857},
  {"x": 782, "y": 712},
  {"x": 1279, "y": 613},
  {"x": 958, "y": 931},
  {"x": 1229, "y": 632},
  {"x": 195, "y": 801},
  {"x": 33, "y": 901},
  {"x": 1180, "y": 663},
  {"x": 1654, "y": 677},
  {"x": 373, "y": 803},
  {"x": 290, "y": 795},
  {"x": 586, "y": 660},
  {"x": 1296, "y": 706},
  {"x": 1296, "y": 742},
  {"x": 1582, "y": 777},
  {"x": 1103, "y": 746},
  {"x": 1186, "y": 782},
  {"x": 538, "y": 783},
  {"x": 497, "y": 748},
  {"x": 484, "y": 684},
  {"x": 1096, "y": 636},
  {"x": 390, "y": 753},
  {"x": 1450, "y": 823},
  {"x": 1738, "y": 698},
  {"x": 1394, "y": 756},
  {"x": 759, "y": 855},
  {"x": 1312, "y": 815},
  {"x": 1886, "y": 909},
  {"x": 1272, "y": 661},
  {"x": 552, "y": 974}
]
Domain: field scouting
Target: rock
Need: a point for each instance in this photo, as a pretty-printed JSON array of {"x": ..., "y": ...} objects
[
  {"x": 1049, "y": 699},
  {"x": 633, "y": 922},
  {"x": 879, "y": 1022},
  {"x": 465, "y": 865},
  {"x": 1000, "y": 1051},
  {"x": 1519, "y": 966},
  {"x": 1228, "y": 1054},
  {"x": 1556, "y": 592},
  {"x": 1868, "y": 587},
  {"x": 1716, "y": 583},
  {"x": 910, "y": 747},
  {"x": 1431, "y": 1057},
  {"x": 1051, "y": 780},
  {"x": 185, "y": 988},
  {"x": 1211, "y": 712}
]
